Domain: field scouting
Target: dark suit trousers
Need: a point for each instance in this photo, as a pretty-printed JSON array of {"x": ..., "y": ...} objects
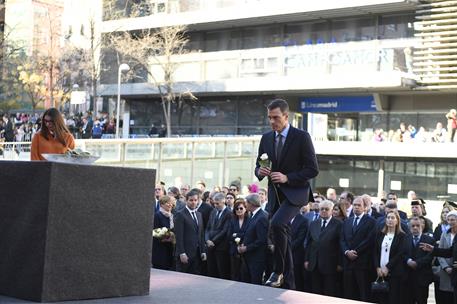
[
  {"x": 324, "y": 284},
  {"x": 193, "y": 266},
  {"x": 218, "y": 264},
  {"x": 417, "y": 294},
  {"x": 235, "y": 268},
  {"x": 252, "y": 272},
  {"x": 356, "y": 284},
  {"x": 280, "y": 231},
  {"x": 299, "y": 274}
]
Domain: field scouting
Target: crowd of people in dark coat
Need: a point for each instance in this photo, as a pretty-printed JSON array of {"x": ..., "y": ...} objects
[{"x": 339, "y": 245}]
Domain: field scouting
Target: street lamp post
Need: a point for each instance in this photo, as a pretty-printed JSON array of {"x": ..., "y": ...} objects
[{"x": 123, "y": 67}]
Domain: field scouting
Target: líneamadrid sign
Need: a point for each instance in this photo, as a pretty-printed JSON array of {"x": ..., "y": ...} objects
[
  {"x": 334, "y": 104},
  {"x": 338, "y": 58}
]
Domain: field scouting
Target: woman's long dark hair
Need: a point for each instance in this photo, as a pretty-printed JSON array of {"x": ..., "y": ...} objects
[{"x": 60, "y": 129}]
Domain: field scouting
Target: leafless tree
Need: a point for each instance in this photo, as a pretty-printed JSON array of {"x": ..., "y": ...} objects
[{"x": 149, "y": 48}]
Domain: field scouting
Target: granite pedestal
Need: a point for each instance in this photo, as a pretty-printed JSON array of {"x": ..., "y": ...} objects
[{"x": 71, "y": 232}]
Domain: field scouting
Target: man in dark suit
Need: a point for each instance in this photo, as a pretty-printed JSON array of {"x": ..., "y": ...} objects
[
  {"x": 391, "y": 206},
  {"x": 369, "y": 210},
  {"x": 420, "y": 274},
  {"x": 8, "y": 128},
  {"x": 313, "y": 213},
  {"x": 346, "y": 198},
  {"x": 293, "y": 164},
  {"x": 204, "y": 208},
  {"x": 357, "y": 245},
  {"x": 254, "y": 246},
  {"x": 298, "y": 231},
  {"x": 322, "y": 252},
  {"x": 190, "y": 246},
  {"x": 417, "y": 209},
  {"x": 393, "y": 197},
  {"x": 216, "y": 237}
]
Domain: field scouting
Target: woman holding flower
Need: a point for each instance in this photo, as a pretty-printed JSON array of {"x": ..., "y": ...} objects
[
  {"x": 236, "y": 231},
  {"x": 163, "y": 237}
]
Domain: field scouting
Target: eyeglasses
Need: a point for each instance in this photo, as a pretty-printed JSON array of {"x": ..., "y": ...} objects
[
  {"x": 324, "y": 209},
  {"x": 239, "y": 208}
]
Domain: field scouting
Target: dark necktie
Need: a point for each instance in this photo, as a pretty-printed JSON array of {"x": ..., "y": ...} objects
[
  {"x": 157, "y": 206},
  {"x": 279, "y": 146},
  {"x": 194, "y": 217},
  {"x": 324, "y": 222},
  {"x": 416, "y": 240},
  {"x": 218, "y": 215},
  {"x": 356, "y": 222},
  {"x": 316, "y": 215}
]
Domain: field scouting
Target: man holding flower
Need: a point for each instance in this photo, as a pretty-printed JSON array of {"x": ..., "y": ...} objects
[{"x": 290, "y": 162}]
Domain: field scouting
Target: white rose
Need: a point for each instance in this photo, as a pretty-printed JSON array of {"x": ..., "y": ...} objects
[
  {"x": 264, "y": 156},
  {"x": 237, "y": 240}
]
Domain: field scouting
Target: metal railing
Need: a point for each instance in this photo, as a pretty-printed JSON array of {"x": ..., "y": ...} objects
[
  {"x": 217, "y": 160},
  {"x": 220, "y": 160}
]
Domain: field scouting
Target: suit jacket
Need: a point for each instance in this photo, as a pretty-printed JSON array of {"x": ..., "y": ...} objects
[
  {"x": 205, "y": 209},
  {"x": 298, "y": 232},
  {"x": 360, "y": 239},
  {"x": 235, "y": 231},
  {"x": 297, "y": 161},
  {"x": 323, "y": 247},
  {"x": 217, "y": 229},
  {"x": 437, "y": 233},
  {"x": 310, "y": 217},
  {"x": 9, "y": 131},
  {"x": 398, "y": 254},
  {"x": 403, "y": 215},
  {"x": 374, "y": 213},
  {"x": 255, "y": 238},
  {"x": 189, "y": 236},
  {"x": 423, "y": 274},
  {"x": 450, "y": 252}
]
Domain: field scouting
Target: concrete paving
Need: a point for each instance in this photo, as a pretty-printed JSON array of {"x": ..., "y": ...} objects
[{"x": 168, "y": 287}]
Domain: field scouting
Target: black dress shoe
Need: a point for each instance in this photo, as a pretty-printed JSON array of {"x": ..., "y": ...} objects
[{"x": 275, "y": 280}]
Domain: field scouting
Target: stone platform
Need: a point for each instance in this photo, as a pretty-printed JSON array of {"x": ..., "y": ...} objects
[{"x": 168, "y": 287}]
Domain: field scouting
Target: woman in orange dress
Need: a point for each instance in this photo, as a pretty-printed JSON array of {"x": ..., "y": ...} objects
[{"x": 53, "y": 136}]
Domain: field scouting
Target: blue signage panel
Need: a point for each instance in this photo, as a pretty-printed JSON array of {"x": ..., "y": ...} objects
[{"x": 334, "y": 104}]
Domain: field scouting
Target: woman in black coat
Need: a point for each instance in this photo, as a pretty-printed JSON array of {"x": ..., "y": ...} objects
[
  {"x": 390, "y": 255},
  {"x": 237, "y": 228},
  {"x": 163, "y": 248}
]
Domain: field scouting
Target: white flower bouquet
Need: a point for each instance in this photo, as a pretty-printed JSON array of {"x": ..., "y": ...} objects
[{"x": 164, "y": 235}]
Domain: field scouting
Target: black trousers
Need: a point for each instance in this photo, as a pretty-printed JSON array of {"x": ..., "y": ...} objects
[
  {"x": 356, "y": 284},
  {"x": 235, "y": 268},
  {"x": 218, "y": 264},
  {"x": 417, "y": 294},
  {"x": 193, "y": 266},
  {"x": 252, "y": 271},
  {"x": 299, "y": 274},
  {"x": 324, "y": 284},
  {"x": 280, "y": 232}
]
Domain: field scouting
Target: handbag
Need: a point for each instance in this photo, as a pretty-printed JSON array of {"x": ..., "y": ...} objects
[{"x": 380, "y": 285}]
